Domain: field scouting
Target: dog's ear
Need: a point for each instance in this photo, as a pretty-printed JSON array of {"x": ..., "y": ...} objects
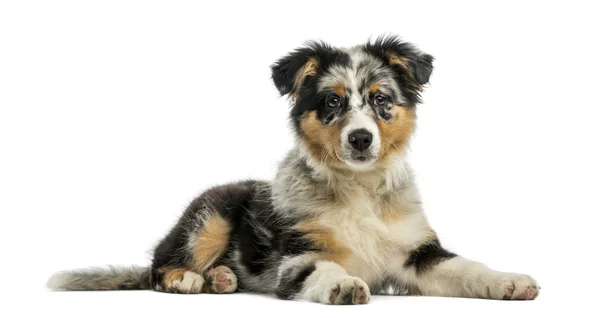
[
  {"x": 404, "y": 57},
  {"x": 290, "y": 72}
]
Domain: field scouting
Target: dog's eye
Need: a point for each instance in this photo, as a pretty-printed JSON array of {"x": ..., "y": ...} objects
[
  {"x": 333, "y": 100},
  {"x": 379, "y": 100}
]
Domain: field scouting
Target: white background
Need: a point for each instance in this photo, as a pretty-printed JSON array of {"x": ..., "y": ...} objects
[{"x": 115, "y": 114}]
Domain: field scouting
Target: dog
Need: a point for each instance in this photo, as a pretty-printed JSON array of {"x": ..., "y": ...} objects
[{"x": 342, "y": 219}]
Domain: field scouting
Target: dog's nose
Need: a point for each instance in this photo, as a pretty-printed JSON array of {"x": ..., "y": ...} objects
[{"x": 360, "y": 139}]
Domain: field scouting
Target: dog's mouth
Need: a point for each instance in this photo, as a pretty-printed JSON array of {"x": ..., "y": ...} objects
[
  {"x": 360, "y": 160},
  {"x": 356, "y": 160}
]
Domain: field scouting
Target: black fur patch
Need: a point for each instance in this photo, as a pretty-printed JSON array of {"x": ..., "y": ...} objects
[
  {"x": 428, "y": 255},
  {"x": 292, "y": 242},
  {"x": 291, "y": 284},
  {"x": 157, "y": 280}
]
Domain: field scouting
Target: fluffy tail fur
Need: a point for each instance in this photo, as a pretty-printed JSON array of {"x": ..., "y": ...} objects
[{"x": 112, "y": 278}]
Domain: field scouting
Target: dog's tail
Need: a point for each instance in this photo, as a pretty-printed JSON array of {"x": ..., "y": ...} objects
[{"x": 112, "y": 278}]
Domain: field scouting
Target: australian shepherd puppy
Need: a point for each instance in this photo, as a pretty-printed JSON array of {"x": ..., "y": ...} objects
[{"x": 342, "y": 219}]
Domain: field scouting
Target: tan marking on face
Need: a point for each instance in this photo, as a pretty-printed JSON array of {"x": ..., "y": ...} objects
[
  {"x": 374, "y": 87},
  {"x": 172, "y": 274},
  {"x": 324, "y": 239},
  {"x": 395, "y": 133},
  {"x": 309, "y": 69},
  {"x": 323, "y": 141},
  {"x": 340, "y": 89},
  {"x": 211, "y": 242}
]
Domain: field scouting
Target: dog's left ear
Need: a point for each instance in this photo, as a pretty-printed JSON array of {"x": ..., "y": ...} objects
[{"x": 403, "y": 56}]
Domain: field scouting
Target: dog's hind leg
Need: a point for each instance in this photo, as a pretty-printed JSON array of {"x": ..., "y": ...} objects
[
  {"x": 220, "y": 280},
  {"x": 204, "y": 241},
  {"x": 189, "y": 251}
]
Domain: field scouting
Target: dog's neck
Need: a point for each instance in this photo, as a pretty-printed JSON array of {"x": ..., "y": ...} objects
[{"x": 382, "y": 178}]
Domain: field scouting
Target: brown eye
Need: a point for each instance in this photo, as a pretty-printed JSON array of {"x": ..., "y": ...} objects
[
  {"x": 379, "y": 100},
  {"x": 333, "y": 100}
]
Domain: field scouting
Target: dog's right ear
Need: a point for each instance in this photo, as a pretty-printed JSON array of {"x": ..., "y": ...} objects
[{"x": 290, "y": 72}]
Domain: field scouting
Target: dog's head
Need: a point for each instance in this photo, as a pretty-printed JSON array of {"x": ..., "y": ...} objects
[{"x": 354, "y": 107}]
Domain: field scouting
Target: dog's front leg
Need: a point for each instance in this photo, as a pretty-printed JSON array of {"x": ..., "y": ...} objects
[
  {"x": 437, "y": 272},
  {"x": 320, "y": 281}
]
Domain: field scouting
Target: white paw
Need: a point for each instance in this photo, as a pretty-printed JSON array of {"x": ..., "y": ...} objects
[
  {"x": 221, "y": 280},
  {"x": 514, "y": 287},
  {"x": 191, "y": 283},
  {"x": 348, "y": 291}
]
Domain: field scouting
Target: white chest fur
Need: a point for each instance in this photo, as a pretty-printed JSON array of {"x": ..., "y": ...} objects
[{"x": 373, "y": 239}]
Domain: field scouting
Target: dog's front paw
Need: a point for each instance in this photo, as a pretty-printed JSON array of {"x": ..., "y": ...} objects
[
  {"x": 514, "y": 287},
  {"x": 348, "y": 291}
]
